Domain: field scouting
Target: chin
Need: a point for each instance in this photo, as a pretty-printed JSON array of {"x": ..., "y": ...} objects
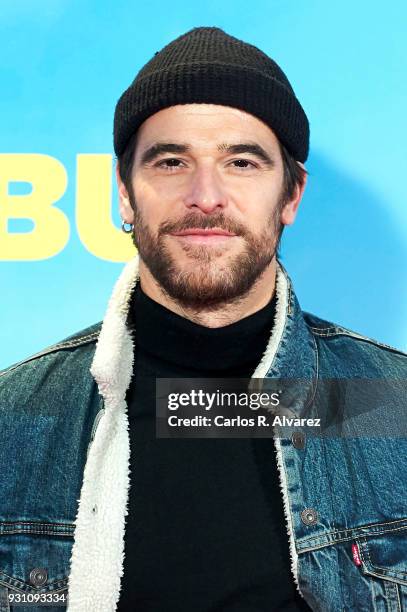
[{"x": 202, "y": 272}]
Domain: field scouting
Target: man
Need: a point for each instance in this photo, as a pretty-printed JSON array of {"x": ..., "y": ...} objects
[{"x": 211, "y": 143}]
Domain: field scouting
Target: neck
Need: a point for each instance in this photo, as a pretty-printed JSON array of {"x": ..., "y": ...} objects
[{"x": 228, "y": 312}]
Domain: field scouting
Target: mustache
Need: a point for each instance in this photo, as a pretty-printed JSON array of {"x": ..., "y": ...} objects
[{"x": 192, "y": 221}]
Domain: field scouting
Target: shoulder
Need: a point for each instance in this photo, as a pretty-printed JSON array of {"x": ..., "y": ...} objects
[
  {"x": 360, "y": 354},
  {"x": 75, "y": 346}
]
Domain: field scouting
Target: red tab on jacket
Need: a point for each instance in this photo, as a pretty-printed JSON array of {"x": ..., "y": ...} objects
[{"x": 355, "y": 555}]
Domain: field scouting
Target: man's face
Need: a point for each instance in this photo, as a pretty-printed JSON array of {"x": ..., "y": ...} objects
[{"x": 206, "y": 202}]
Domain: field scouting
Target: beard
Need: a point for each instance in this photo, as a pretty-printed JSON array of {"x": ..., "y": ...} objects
[{"x": 214, "y": 278}]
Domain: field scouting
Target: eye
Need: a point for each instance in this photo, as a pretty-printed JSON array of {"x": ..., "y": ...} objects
[
  {"x": 169, "y": 163},
  {"x": 243, "y": 163}
]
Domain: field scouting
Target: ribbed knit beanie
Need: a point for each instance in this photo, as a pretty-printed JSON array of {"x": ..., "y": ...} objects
[{"x": 206, "y": 65}]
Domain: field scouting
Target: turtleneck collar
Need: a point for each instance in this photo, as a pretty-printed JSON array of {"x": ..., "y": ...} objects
[{"x": 169, "y": 337}]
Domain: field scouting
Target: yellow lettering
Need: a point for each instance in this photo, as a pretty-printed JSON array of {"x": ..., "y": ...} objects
[
  {"x": 51, "y": 226},
  {"x": 94, "y": 210}
]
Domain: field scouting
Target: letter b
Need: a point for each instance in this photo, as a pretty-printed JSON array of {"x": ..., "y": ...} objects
[{"x": 51, "y": 226}]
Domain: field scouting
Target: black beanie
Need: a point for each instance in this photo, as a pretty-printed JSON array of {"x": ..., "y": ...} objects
[{"x": 206, "y": 65}]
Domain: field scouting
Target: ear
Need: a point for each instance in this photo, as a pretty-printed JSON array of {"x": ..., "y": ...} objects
[
  {"x": 125, "y": 209},
  {"x": 290, "y": 208}
]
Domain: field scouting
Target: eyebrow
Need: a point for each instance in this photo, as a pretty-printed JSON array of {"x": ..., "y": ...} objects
[
  {"x": 162, "y": 147},
  {"x": 248, "y": 147},
  {"x": 159, "y": 148}
]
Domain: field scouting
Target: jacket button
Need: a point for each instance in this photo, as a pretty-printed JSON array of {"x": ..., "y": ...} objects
[
  {"x": 38, "y": 576},
  {"x": 309, "y": 516},
  {"x": 298, "y": 440}
]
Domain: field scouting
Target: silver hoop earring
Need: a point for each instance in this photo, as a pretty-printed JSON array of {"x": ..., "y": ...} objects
[{"x": 127, "y": 230}]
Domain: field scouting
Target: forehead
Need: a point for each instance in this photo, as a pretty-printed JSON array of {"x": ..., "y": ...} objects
[{"x": 206, "y": 125}]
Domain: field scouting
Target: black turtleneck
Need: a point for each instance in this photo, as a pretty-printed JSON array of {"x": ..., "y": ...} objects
[{"x": 205, "y": 529}]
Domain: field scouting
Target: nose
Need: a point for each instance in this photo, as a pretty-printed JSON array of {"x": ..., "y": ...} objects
[{"x": 206, "y": 191}]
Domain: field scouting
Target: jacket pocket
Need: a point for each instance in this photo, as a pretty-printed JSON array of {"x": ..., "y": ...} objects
[
  {"x": 383, "y": 557},
  {"x": 34, "y": 565}
]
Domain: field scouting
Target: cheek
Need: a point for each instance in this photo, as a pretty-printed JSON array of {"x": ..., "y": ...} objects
[
  {"x": 143, "y": 193},
  {"x": 256, "y": 203},
  {"x": 152, "y": 207},
  {"x": 150, "y": 194},
  {"x": 159, "y": 188},
  {"x": 269, "y": 193}
]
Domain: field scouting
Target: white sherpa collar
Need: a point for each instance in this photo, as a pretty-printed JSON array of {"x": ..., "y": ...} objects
[{"x": 98, "y": 549}]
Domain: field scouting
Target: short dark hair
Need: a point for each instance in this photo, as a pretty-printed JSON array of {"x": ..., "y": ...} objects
[
  {"x": 294, "y": 173},
  {"x": 126, "y": 160}
]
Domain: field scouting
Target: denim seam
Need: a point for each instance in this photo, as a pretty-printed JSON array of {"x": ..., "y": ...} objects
[
  {"x": 37, "y": 532},
  {"x": 343, "y": 539},
  {"x": 35, "y": 523},
  {"x": 330, "y": 332},
  {"x": 315, "y": 383},
  {"x": 391, "y": 594},
  {"x": 323, "y": 445},
  {"x": 395, "y": 522},
  {"x": 324, "y": 458},
  {"x": 333, "y": 531},
  {"x": 11, "y": 580},
  {"x": 27, "y": 528},
  {"x": 398, "y": 598},
  {"x": 52, "y": 349},
  {"x": 61, "y": 581},
  {"x": 77, "y": 341},
  {"x": 324, "y": 453}
]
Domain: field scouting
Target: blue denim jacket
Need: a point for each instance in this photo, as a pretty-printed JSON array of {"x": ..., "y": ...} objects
[{"x": 64, "y": 458}]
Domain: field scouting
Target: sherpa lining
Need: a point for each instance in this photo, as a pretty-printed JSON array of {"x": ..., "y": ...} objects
[{"x": 98, "y": 549}]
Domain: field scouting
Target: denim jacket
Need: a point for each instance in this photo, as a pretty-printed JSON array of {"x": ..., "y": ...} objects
[{"x": 64, "y": 458}]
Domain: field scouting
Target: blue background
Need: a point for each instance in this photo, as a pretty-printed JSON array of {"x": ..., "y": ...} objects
[{"x": 64, "y": 64}]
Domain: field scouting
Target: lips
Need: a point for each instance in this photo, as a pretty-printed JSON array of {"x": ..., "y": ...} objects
[{"x": 203, "y": 232}]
